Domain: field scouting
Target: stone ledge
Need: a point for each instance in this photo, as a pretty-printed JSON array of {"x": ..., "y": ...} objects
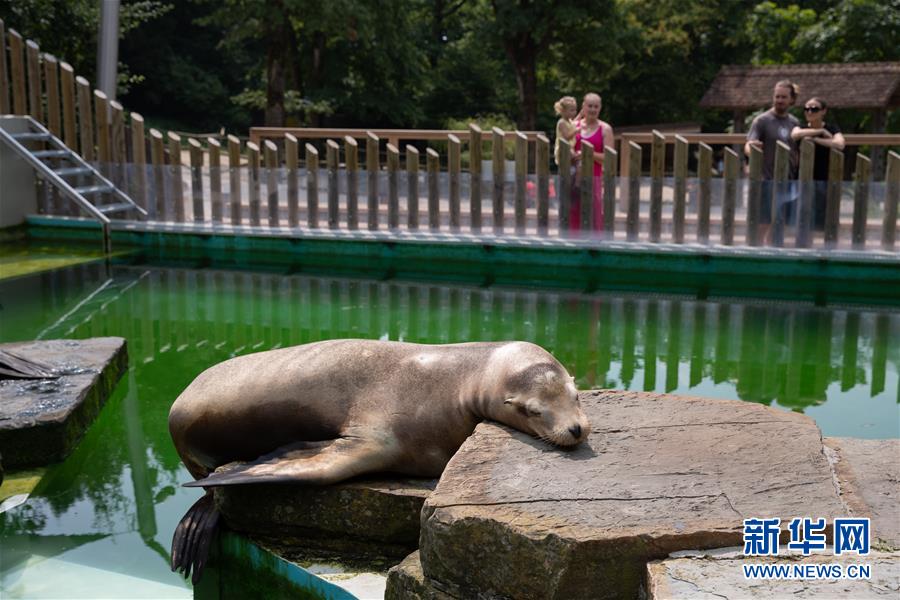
[
  {"x": 406, "y": 581},
  {"x": 659, "y": 473},
  {"x": 41, "y": 420},
  {"x": 868, "y": 473},
  {"x": 365, "y": 518},
  {"x": 719, "y": 574}
]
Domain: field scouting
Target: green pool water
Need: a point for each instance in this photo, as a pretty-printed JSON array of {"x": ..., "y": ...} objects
[{"x": 99, "y": 524}]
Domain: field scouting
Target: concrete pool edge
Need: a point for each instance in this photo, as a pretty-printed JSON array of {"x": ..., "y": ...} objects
[{"x": 580, "y": 265}]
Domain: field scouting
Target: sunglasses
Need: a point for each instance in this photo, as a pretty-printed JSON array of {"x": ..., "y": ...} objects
[{"x": 812, "y": 109}]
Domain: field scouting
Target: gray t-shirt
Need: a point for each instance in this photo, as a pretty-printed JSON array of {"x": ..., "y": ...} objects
[{"x": 769, "y": 128}]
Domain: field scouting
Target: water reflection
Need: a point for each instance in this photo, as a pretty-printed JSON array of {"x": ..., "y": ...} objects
[
  {"x": 789, "y": 354},
  {"x": 120, "y": 488}
]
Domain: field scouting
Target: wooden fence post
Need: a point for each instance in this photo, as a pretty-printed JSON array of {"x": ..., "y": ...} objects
[
  {"x": 372, "y": 167},
  {"x": 704, "y": 175},
  {"x": 680, "y": 189},
  {"x": 393, "y": 166},
  {"x": 196, "y": 152},
  {"x": 433, "y": 165},
  {"x": 351, "y": 159},
  {"x": 610, "y": 166},
  {"x": 33, "y": 60},
  {"x": 292, "y": 162},
  {"x": 833, "y": 198},
  {"x": 51, "y": 79},
  {"x": 158, "y": 159},
  {"x": 332, "y": 152},
  {"x": 271, "y": 161},
  {"x": 498, "y": 158},
  {"x": 891, "y": 198},
  {"x": 101, "y": 124},
  {"x": 17, "y": 72},
  {"x": 781, "y": 193},
  {"x": 215, "y": 178},
  {"x": 754, "y": 196},
  {"x": 861, "y": 200},
  {"x": 729, "y": 200},
  {"x": 587, "y": 187},
  {"x": 253, "y": 183},
  {"x": 657, "y": 170},
  {"x": 139, "y": 160},
  {"x": 454, "y": 165},
  {"x": 542, "y": 167},
  {"x": 412, "y": 180},
  {"x": 176, "y": 181},
  {"x": 67, "y": 85},
  {"x": 633, "y": 223},
  {"x": 234, "y": 179},
  {"x": 312, "y": 186},
  {"x": 85, "y": 119},
  {"x": 475, "y": 176},
  {"x": 117, "y": 151},
  {"x": 4, "y": 73},
  {"x": 804, "y": 208},
  {"x": 521, "y": 180},
  {"x": 565, "y": 186}
]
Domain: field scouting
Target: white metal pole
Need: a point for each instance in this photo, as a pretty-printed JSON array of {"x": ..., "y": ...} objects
[{"x": 108, "y": 48}]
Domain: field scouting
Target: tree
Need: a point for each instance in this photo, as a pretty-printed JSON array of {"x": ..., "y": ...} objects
[{"x": 528, "y": 28}]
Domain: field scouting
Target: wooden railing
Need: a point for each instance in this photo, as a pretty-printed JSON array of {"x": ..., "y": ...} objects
[
  {"x": 393, "y": 136},
  {"x": 302, "y": 189}
]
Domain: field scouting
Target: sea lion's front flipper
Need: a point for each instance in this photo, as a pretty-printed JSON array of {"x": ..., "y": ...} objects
[{"x": 335, "y": 460}]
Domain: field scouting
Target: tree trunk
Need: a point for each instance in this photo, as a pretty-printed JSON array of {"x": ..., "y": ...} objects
[
  {"x": 317, "y": 73},
  {"x": 276, "y": 56},
  {"x": 522, "y": 53}
]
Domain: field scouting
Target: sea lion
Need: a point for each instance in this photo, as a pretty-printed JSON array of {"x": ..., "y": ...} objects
[{"x": 327, "y": 411}]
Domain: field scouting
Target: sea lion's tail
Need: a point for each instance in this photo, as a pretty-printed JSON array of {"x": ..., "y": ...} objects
[{"x": 193, "y": 537}]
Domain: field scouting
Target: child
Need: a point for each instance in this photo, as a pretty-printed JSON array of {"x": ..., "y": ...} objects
[{"x": 566, "y": 107}]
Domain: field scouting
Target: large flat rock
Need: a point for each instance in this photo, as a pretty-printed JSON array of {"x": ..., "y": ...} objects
[
  {"x": 868, "y": 473},
  {"x": 372, "y": 517},
  {"x": 41, "y": 420},
  {"x": 719, "y": 574},
  {"x": 512, "y": 517}
]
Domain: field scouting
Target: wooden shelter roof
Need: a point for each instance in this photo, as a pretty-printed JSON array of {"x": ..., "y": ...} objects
[{"x": 871, "y": 85}]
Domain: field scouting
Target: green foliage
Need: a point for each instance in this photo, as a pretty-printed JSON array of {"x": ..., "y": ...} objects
[
  {"x": 842, "y": 31},
  {"x": 68, "y": 29},
  {"x": 774, "y": 31}
]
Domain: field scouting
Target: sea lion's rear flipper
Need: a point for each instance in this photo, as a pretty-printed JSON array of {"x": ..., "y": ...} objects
[
  {"x": 193, "y": 537},
  {"x": 333, "y": 461}
]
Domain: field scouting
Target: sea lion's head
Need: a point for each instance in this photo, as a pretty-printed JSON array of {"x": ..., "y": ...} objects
[{"x": 542, "y": 400}]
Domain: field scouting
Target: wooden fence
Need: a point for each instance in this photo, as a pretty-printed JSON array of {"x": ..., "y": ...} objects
[{"x": 352, "y": 187}]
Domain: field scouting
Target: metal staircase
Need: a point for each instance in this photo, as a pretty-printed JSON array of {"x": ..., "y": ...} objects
[{"x": 93, "y": 188}]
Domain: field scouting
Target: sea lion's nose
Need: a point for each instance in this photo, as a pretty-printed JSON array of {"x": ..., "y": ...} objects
[{"x": 575, "y": 430}]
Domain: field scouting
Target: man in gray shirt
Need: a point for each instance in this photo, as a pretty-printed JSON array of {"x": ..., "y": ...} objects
[{"x": 767, "y": 129}]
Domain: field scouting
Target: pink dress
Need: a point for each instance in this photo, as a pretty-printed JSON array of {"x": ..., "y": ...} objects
[{"x": 596, "y": 140}]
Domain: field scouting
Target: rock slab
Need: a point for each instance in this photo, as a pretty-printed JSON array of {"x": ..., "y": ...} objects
[
  {"x": 512, "y": 517},
  {"x": 719, "y": 574},
  {"x": 358, "y": 518},
  {"x": 41, "y": 420},
  {"x": 868, "y": 473}
]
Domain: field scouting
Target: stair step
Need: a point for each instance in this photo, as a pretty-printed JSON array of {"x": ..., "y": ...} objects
[
  {"x": 51, "y": 153},
  {"x": 116, "y": 207},
  {"x": 69, "y": 171},
  {"x": 94, "y": 189},
  {"x": 24, "y": 137}
]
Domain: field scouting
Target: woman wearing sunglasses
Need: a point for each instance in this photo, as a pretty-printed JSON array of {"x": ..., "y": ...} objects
[{"x": 826, "y": 136}]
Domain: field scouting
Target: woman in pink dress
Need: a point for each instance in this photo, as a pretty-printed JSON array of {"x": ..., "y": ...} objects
[{"x": 600, "y": 135}]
